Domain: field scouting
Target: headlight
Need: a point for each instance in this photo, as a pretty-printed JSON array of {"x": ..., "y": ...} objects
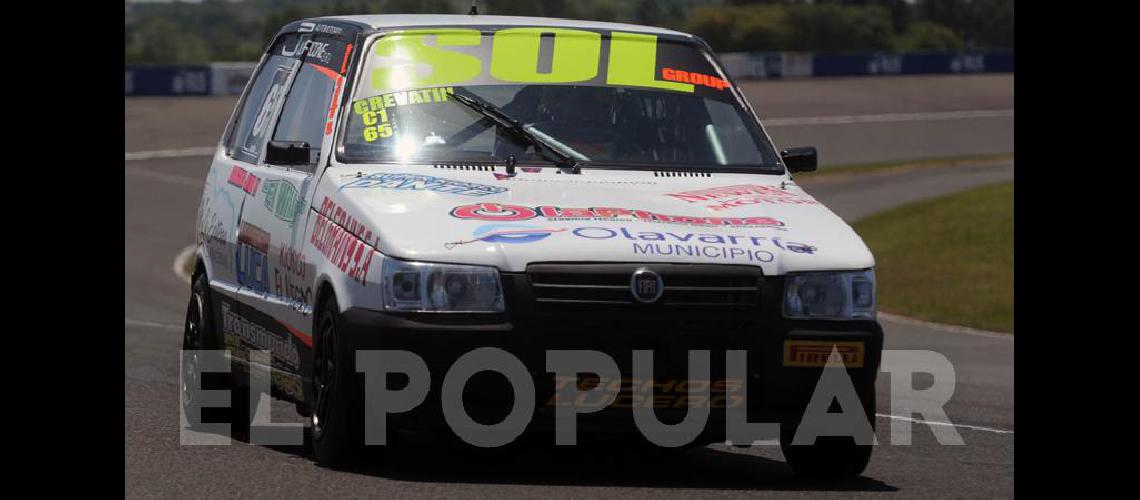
[
  {"x": 418, "y": 286},
  {"x": 830, "y": 295}
]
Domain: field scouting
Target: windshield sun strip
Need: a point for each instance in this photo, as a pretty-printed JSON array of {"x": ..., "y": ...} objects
[{"x": 367, "y": 38}]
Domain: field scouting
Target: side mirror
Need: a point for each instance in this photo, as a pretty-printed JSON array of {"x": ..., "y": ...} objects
[
  {"x": 287, "y": 153},
  {"x": 800, "y": 159}
]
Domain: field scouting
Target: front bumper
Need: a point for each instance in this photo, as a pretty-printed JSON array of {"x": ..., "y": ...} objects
[{"x": 775, "y": 392}]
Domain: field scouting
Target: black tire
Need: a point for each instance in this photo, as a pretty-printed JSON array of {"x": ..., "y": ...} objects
[
  {"x": 831, "y": 457},
  {"x": 337, "y": 419},
  {"x": 200, "y": 333}
]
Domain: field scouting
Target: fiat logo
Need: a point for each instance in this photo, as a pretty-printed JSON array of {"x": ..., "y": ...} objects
[{"x": 646, "y": 286}]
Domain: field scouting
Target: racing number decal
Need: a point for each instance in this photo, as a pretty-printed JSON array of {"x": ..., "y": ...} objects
[
  {"x": 273, "y": 100},
  {"x": 374, "y": 110}
]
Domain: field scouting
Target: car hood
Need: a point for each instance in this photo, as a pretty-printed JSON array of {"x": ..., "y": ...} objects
[{"x": 472, "y": 215}]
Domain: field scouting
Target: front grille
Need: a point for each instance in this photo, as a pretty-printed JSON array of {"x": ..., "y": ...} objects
[{"x": 599, "y": 295}]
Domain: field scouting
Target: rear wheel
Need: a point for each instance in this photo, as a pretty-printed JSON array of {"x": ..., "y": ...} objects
[{"x": 199, "y": 334}]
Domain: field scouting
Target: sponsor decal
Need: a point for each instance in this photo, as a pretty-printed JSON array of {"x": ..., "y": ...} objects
[
  {"x": 341, "y": 217},
  {"x": 245, "y": 180},
  {"x": 814, "y": 353},
  {"x": 282, "y": 200},
  {"x": 512, "y": 213},
  {"x": 373, "y": 111},
  {"x": 708, "y": 251},
  {"x": 343, "y": 240},
  {"x": 677, "y": 75},
  {"x": 725, "y": 197},
  {"x": 252, "y": 257},
  {"x": 454, "y": 56},
  {"x": 344, "y": 63},
  {"x": 307, "y": 27},
  {"x": 508, "y": 233},
  {"x": 289, "y": 277},
  {"x": 251, "y": 147},
  {"x": 334, "y": 101},
  {"x": 240, "y": 329},
  {"x": 727, "y": 247},
  {"x": 794, "y": 247},
  {"x": 415, "y": 182},
  {"x": 212, "y": 232},
  {"x": 313, "y": 49},
  {"x": 655, "y": 393}
]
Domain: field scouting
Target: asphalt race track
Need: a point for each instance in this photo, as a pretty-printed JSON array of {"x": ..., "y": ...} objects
[{"x": 851, "y": 121}]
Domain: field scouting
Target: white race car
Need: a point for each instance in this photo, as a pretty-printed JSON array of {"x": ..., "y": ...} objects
[{"x": 439, "y": 184}]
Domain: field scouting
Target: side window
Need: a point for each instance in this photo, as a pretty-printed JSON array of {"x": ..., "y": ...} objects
[
  {"x": 252, "y": 103},
  {"x": 305, "y": 114},
  {"x": 260, "y": 107}
]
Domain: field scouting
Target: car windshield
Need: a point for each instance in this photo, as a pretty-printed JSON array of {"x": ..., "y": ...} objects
[{"x": 595, "y": 96}]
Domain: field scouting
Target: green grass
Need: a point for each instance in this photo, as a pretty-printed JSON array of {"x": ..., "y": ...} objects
[
  {"x": 864, "y": 168},
  {"x": 948, "y": 260}
]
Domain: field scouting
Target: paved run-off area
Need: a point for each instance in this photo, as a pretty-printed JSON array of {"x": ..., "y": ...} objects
[{"x": 902, "y": 118}]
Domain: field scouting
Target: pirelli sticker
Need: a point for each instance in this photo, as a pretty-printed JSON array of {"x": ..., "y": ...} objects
[{"x": 814, "y": 353}]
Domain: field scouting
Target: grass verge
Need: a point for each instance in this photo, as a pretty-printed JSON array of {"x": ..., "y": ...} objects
[
  {"x": 948, "y": 260},
  {"x": 885, "y": 166}
]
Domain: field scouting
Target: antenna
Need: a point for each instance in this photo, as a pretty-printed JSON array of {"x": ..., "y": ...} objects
[{"x": 474, "y": 11}]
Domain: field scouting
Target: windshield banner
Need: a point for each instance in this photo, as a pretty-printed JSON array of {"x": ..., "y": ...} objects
[{"x": 416, "y": 59}]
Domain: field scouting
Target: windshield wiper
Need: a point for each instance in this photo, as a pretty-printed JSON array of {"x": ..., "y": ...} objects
[{"x": 561, "y": 158}]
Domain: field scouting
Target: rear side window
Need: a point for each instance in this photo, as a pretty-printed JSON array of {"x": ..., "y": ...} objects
[
  {"x": 265, "y": 95},
  {"x": 288, "y": 110},
  {"x": 307, "y": 108}
]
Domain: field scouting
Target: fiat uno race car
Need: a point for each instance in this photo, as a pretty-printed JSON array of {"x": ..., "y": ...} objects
[{"x": 442, "y": 184}]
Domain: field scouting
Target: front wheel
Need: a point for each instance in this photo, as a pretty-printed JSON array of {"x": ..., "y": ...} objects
[
  {"x": 828, "y": 458},
  {"x": 337, "y": 412}
]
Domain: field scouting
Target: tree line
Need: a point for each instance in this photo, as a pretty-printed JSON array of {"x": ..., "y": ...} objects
[{"x": 225, "y": 30}]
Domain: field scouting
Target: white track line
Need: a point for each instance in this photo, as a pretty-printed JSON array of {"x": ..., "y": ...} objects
[
  {"x": 948, "y": 424},
  {"x": 135, "y": 322},
  {"x": 886, "y": 117},
  {"x": 164, "y": 177},
  {"x": 171, "y": 153},
  {"x": 894, "y": 318}
]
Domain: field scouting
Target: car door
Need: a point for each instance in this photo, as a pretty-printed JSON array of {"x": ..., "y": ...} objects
[
  {"x": 228, "y": 184},
  {"x": 275, "y": 283}
]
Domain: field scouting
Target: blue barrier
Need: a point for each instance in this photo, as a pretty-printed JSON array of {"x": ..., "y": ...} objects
[
  {"x": 929, "y": 63},
  {"x": 773, "y": 65},
  {"x": 168, "y": 80},
  {"x": 1000, "y": 62},
  {"x": 230, "y": 78}
]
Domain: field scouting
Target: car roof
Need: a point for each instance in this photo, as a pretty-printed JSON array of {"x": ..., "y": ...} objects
[{"x": 402, "y": 20}]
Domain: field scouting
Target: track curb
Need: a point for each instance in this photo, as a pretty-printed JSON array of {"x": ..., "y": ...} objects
[{"x": 184, "y": 263}]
